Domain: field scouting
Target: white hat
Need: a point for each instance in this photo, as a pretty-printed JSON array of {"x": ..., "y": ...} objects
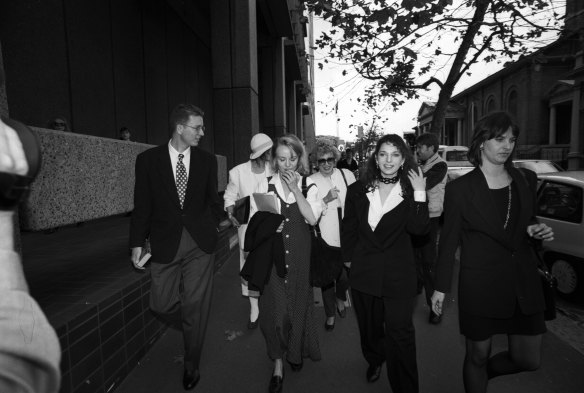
[{"x": 259, "y": 144}]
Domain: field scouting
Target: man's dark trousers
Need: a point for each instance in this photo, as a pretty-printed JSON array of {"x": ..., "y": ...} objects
[
  {"x": 426, "y": 258},
  {"x": 183, "y": 288}
]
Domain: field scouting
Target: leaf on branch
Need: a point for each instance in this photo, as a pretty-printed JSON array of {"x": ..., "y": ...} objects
[
  {"x": 320, "y": 66},
  {"x": 344, "y": 72},
  {"x": 331, "y": 89}
]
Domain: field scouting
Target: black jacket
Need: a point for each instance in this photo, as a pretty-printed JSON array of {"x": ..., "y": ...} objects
[
  {"x": 157, "y": 213},
  {"x": 496, "y": 268},
  {"x": 382, "y": 261},
  {"x": 266, "y": 249}
]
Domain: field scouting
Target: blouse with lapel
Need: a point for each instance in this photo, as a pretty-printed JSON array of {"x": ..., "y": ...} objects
[
  {"x": 382, "y": 260},
  {"x": 497, "y": 268}
]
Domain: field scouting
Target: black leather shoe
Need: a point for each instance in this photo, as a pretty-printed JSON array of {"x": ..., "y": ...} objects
[
  {"x": 252, "y": 325},
  {"x": 373, "y": 373},
  {"x": 434, "y": 318},
  {"x": 191, "y": 379},
  {"x": 342, "y": 312},
  {"x": 276, "y": 383},
  {"x": 329, "y": 328},
  {"x": 295, "y": 366}
]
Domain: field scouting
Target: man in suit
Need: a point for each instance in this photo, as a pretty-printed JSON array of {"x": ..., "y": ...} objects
[
  {"x": 176, "y": 207},
  {"x": 435, "y": 170}
]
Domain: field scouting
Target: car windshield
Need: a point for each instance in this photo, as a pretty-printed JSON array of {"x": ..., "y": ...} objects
[
  {"x": 456, "y": 155},
  {"x": 539, "y": 166}
]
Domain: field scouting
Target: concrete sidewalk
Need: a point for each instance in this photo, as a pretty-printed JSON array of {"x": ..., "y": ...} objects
[{"x": 235, "y": 359}]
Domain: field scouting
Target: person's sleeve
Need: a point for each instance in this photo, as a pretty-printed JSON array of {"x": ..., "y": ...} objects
[
  {"x": 29, "y": 348},
  {"x": 419, "y": 218},
  {"x": 232, "y": 191},
  {"x": 350, "y": 224},
  {"x": 212, "y": 195},
  {"x": 140, "y": 221},
  {"x": 312, "y": 198},
  {"x": 449, "y": 238},
  {"x": 435, "y": 175}
]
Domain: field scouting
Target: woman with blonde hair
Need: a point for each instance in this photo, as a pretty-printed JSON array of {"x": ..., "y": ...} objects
[{"x": 287, "y": 320}]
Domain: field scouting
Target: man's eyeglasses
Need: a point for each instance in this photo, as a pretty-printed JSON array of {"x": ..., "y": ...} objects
[
  {"x": 323, "y": 161},
  {"x": 197, "y": 128}
]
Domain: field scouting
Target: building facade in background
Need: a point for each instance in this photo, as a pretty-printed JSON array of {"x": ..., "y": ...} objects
[
  {"x": 107, "y": 65},
  {"x": 544, "y": 91}
]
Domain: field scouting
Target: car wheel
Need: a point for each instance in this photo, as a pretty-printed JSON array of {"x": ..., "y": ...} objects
[{"x": 569, "y": 272}]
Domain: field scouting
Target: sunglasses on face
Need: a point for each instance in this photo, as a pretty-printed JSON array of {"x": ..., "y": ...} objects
[{"x": 323, "y": 161}]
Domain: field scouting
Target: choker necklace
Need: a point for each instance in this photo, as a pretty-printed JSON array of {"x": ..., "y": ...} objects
[{"x": 388, "y": 180}]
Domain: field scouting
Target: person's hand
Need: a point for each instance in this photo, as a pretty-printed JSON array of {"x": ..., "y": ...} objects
[
  {"x": 291, "y": 179},
  {"x": 417, "y": 179},
  {"x": 12, "y": 158},
  {"x": 541, "y": 232},
  {"x": 437, "y": 302},
  {"x": 331, "y": 195},
  {"x": 234, "y": 221},
  {"x": 135, "y": 258},
  {"x": 280, "y": 228}
]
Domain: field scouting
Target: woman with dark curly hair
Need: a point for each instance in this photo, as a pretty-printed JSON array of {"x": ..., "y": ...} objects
[
  {"x": 490, "y": 213},
  {"x": 382, "y": 210}
]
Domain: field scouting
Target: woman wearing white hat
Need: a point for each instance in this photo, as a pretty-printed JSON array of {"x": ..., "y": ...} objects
[{"x": 243, "y": 180}]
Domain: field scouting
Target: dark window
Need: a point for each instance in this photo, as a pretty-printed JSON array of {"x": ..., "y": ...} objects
[
  {"x": 560, "y": 202},
  {"x": 512, "y": 103},
  {"x": 490, "y": 104}
]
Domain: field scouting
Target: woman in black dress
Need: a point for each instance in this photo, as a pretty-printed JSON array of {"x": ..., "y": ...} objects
[
  {"x": 287, "y": 303},
  {"x": 490, "y": 213},
  {"x": 382, "y": 210}
]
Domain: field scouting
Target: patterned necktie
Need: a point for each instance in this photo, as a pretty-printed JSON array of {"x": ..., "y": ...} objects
[{"x": 181, "y": 179}]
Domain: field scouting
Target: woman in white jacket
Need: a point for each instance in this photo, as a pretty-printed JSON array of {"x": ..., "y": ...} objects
[{"x": 243, "y": 181}]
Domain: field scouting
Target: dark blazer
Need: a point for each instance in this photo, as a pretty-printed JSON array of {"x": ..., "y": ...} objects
[
  {"x": 382, "y": 261},
  {"x": 266, "y": 249},
  {"x": 157, "y": 213},
  {"x": 495, "y": 267}
]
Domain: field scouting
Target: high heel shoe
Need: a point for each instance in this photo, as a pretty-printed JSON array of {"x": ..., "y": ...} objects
[
  {"x": 276, "y": 383},
  {"x": 329, "y": 328},
  {"x": 342, "y": 312}
]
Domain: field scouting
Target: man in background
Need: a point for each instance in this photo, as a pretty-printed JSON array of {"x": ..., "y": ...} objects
[{"x": 435, "y": 170}]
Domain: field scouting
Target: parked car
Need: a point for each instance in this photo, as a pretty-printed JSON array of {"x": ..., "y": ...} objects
[
  {"x": 456, "y": 158},
  {"x": 538, "y": 166},
  {"x": 560, "y": 205}
]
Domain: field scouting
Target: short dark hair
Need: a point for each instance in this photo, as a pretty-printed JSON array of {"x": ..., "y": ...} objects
[
  {"x": 347, "y": 151},
  {"x": 428, "y": 139},
  {"x": 181, "y": 113},
  {"x": 489, "y": 127}
]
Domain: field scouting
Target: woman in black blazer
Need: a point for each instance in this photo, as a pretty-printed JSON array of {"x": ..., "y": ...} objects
[
  {"x": 490, "y": 213},
  {"x": 382, "y": 209}
]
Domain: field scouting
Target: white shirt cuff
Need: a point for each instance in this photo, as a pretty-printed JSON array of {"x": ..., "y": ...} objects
[{"x": 420, "y": 196}]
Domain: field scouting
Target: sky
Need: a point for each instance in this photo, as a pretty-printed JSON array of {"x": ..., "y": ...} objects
[{"x": 347, "y": 89}]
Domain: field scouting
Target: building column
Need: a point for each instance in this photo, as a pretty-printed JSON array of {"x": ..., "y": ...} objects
[
  {"x": 459, "y": 132},
  {"x": 575, "y": 156},
  {"x": 553, "y": 121},
  {"x": 235, "y": 77}
]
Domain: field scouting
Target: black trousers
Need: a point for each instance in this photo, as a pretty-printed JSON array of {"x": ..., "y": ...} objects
[
  {"x": 387, "y": 334},
  {"x": 183, "y": 288},
  {"x": 335, "y": 290},
  {"x": 425, "y": 252}
]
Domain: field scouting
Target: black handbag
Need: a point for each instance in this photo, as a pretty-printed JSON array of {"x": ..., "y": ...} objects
[
  {"x": 325, "y": 261},
  {"x": 549, "y": 285}
]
